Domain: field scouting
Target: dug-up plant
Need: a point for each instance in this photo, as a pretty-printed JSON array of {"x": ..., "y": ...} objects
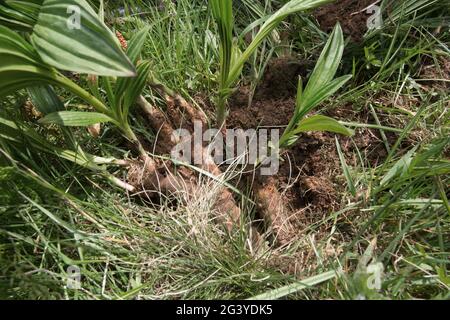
[
  {"x": 321, "y": 85},
  {"x": 37, "y": 60},
  {"x": 40, "y": 59}
]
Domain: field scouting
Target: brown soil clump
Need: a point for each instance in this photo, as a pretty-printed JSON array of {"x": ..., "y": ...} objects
[{"x": 351, "y": 14}]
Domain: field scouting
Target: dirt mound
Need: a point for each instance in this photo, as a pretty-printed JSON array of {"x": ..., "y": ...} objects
[{"x": 351, "y": 14}]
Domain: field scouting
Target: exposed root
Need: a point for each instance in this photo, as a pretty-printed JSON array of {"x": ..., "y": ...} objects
[
  {"x": 147, "y": 178},
  {"x": 167, "y": 182},
  {"x": 182, "y": 113},
  {"x": 160, "y": 124},
  {"x": 272, "y": 209}
]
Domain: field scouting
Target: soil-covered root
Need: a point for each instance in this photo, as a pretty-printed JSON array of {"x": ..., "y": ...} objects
[
  {"x": 182, "y": 112},
  {"x": 272, "y": 208},
  {"x": 168, "y": 181},
  {"x": 145, "y": 178}
]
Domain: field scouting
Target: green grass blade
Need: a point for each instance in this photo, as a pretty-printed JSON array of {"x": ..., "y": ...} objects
[
  {"x": 345, "y": 169},
  {"x": 296, "y": 287}
]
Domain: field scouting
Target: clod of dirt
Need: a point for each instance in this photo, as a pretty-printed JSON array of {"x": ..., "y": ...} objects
[
  {"x": 281, "y": 77},
  {"x": 274, "y": 98},
  {"x": 351, "y": 14},
  {"x": 320, "y": 190},
  {"x": 270, "y": 112}
]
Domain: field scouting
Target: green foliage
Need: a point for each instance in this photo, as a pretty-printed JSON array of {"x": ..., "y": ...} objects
[
  {"x": 75, "y": 118},
  {"x": 19, "y": 15},
  {"x": 55, "y": 213},
  {"x": 321, "y": 86},
  {"x": 20, "y": 65},
  {"x": 90, "y": 48},
  {"x": 231, "y": 59},
  {"x": 45, "y": 99}
]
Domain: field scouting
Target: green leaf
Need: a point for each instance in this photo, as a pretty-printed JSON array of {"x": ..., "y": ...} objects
[
  {"x": 89, "y": 47},
  {"x": 75, "y": 118},
  {"x": 20, "y": 133},
  {"x": 319, "y": 86},
  {"x": 30, "y": 7},
  {"x": 223, "y": 14},
  {"x": 400, "y": 167},
  {"x": 19, "y": 15},
  {"x": 296, "y": 287},
  {"x": 314, "y": 123},
  {"x": 16, "y": 15},
  {"x": 134, "y": 50},
  {"x": 20, "y": 66},
  {"x": 45, "y": 99},
  {"x": 327, "y": 90},
  {"x": 135, "y": 86},
  {"x": 322, "y": 123},
  {"x": 289, "y": 8},
  {"x": 136, "y": 44}
]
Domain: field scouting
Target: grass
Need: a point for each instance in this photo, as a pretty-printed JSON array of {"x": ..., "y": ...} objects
[{"x": 54, "y": 213}]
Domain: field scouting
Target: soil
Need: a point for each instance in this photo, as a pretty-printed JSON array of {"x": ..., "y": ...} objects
[
  {"x": 430, "y": 71},
  {"x": 351, "y": 14}
]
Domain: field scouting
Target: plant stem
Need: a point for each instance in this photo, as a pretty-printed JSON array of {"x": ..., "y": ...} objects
[
  {"x": 221, "y": 112},
  {"x": 120, "y": 183},
  {"x": 128, "y": 132},
  {"x": 122, "y": 124},
  {"x": 83, "y": 94}
]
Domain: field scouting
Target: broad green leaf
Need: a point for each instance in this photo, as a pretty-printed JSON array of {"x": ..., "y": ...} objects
[
  {"x": 12, "y": 44},
  {"x": 322, "y": 93},
  {"x": 75, "y": 118},
  {"x": 320, "y": 86},
  {"x": 323, "y": 74},
  {"x": 322, "y": 123},
  {"x": 236, "y": 53},
  {"x": 30, "y": 8},
  {"x": 45, "y": 99},
  {"x": 15, "y": 24},
  {"x": 136, "y": 86},
  {"x": 136, "y": 44},
  {"x": 70, "y": 36},
  {"x": 19, "y": 15},
  {"x": 223, "y": 14},
  {"x": 16, "y": 15},
  {"x": 20, "y": 66}
]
